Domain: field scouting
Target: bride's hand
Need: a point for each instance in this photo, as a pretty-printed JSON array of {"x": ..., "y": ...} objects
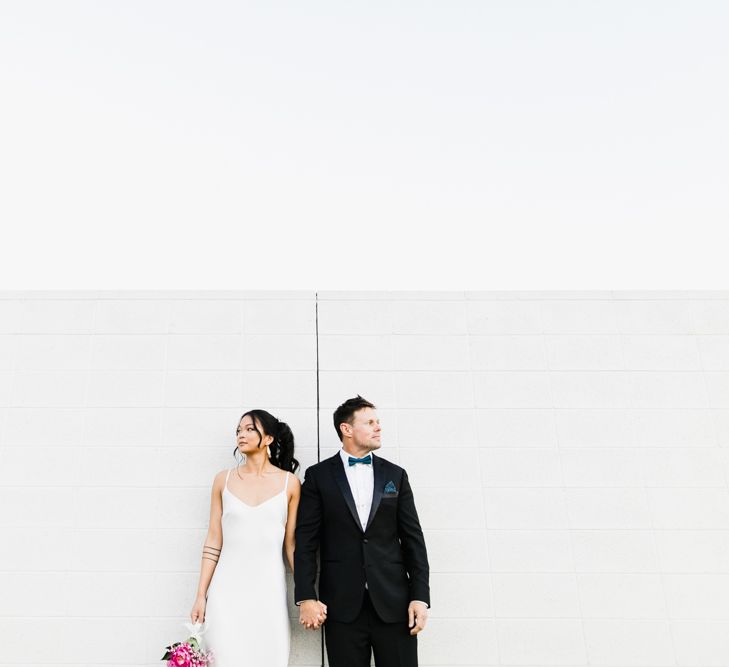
[{"x": 197, "y": 615}]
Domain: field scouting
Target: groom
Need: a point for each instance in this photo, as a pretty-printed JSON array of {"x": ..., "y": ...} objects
[{"x": 358, "y": 510}]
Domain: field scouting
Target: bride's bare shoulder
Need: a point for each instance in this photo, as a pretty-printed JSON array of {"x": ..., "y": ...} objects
[{"x": 219, "y": 480}]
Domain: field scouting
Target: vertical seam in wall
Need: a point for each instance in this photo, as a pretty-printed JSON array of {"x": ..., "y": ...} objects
[
  {"x": 318, "y": 445},
  {"x": 316, "y": 339}
]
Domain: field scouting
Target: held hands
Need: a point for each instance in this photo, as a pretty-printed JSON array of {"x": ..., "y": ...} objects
[
  {"x": 417, "y": 616},
  {"x": 197, "y": 615},
  {"x": 312, "y": 614}
]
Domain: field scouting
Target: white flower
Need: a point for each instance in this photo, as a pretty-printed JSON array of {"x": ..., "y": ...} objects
[{"x": 196, "y": 630}]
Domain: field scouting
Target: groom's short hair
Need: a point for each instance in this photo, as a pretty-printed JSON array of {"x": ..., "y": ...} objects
[{"x": 345, "y": 412}]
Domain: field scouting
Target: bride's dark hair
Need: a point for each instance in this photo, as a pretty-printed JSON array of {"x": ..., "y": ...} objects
[{"x": 282, "y": 447}]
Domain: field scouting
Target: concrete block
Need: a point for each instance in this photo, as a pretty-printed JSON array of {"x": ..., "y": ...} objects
[
  {"x": 710, "y": 316},
  {"x": 129, "y": 352},
  {"x": 697, "y": 596},
  {"x": 660, "y": 353},
  {"x": 205, "y": 352},
  {"x": 601, "y": 427},
  {"x": 132, "y": 316},
  {"x": 654, "y": 317},
  {"x": 125, "y": 389},
  {"x": 279, "y": 353},
  {"x": 692, "y": 466},
  {"x": 714, "y": 352},
  {"x": 36, "y": 389},
  {"x": 199, "y": 389},
  {"x": 535, "y": 595},
  {"x": 607, "y": 508},
  {"x": 356, "y": 353},
  {"x": 525, "y": 508},
  {"x": 503, "y": 317},
  {"x": 433, "y": 390},
  {"x": 520, "y": 467},
  {"x": 621, "y": 595},
  {"x": 717, "y": 385},
  {"x": 590, "y": 389},
  {"x": 30, "y": 426},
  {"x": 198, "y": 316},
  {"x": 697, "y": 551},
  {"x": 632, "y": 643},
  {"x": 595, "y": 352},
  {"x": 430, "y": 353},
  {"x": 436, "y": 427},
  {"x": 532, "y": 550},
  {"x": 123, "y": 426},
  {"x": 541, "y": 641},
  {"x": 666, "y": 427},
  {"x": 57, "y": 316},
  {"x": 501, "y": 353},
  {"x": 515, "y": 427},
  {"x": 279, "y": 390},
  {"x": 607, "y": 550},
  {"x": 689, "y": 508},
  {"x": 511, "y": 390},
  {"x": 579, "y": 317},
  {"x": 593, "y": 467},
  {"x": 429, "y": 317},
  {"x": 355, "y": 317},
  {"x": 700, "y": 643},
  {"x": 53, "y": 352}
]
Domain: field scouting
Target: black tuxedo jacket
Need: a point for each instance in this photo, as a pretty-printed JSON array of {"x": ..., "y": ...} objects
[{"x": 389, "y": 554}]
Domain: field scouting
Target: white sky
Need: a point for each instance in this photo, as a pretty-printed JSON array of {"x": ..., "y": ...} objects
[{"x": 491, "y": 145}]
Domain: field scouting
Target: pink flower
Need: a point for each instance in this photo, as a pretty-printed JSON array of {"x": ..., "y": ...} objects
[{"x": 181, "y": 656}]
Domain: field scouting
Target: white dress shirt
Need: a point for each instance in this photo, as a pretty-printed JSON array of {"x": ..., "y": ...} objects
[{"x": 361, "y": 480}]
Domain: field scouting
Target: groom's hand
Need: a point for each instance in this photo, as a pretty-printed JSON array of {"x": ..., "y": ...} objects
[
  {"x": 312, "y": 614},
  {"x": 417, "y": 616}
]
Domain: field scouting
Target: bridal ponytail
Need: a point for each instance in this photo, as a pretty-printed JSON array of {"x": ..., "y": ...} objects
[{"x": 282, "y": 447}]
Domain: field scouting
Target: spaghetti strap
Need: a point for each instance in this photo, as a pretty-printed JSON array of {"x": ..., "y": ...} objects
[
  {"x": 226, "y": 478},
  {"x": 286, "y": 484}
]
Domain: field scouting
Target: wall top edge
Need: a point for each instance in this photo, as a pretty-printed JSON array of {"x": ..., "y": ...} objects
[
  {"x": 523, "y": 295},
  {"x": 156, "y": 295},
  {"x": 363, "y": 295}
]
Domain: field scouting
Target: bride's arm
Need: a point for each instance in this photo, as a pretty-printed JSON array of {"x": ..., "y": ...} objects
[
  {"x": 211, "y": 549},
  {"x": 294, "y": 497}
]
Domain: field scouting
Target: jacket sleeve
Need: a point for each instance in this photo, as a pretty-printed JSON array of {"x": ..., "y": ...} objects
[
  {"x": 412, "y": 543},
  {"x": 308, "y": 524}
]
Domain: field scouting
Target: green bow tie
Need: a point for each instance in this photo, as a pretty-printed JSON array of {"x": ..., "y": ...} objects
[{"x": 367, "y": 460}]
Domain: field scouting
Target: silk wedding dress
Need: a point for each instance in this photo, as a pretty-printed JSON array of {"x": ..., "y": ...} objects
[{"x": 246, "y": 616}]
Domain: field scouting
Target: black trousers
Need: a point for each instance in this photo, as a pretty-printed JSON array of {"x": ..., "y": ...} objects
[{"x": 352, "y": 644}]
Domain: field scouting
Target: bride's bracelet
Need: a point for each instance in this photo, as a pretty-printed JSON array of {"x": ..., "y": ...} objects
[{"x": 211, "y": 553}]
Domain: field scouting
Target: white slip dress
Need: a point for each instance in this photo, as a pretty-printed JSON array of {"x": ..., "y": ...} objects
[{"x": 246, "y": 616}]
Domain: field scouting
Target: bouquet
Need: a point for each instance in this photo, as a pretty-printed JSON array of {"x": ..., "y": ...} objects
[{"x": 189, "y": 653}]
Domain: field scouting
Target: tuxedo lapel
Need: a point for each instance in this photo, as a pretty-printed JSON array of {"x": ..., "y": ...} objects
[
  {"x": 341, "y": 478},
  {"x": 379, "y": 475}
]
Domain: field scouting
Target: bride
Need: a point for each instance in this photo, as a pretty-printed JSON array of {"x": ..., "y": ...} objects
[{"x": 242, "y": 575}]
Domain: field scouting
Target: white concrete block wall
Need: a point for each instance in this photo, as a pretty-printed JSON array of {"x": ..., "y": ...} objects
[
  {"x": 568, "y": 453},
  {"x": 116, "y": 411},
  {"x": 569, "y": 458}
]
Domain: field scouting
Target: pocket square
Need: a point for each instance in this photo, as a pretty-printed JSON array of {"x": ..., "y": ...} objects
[{"x": 390, "y": 488}]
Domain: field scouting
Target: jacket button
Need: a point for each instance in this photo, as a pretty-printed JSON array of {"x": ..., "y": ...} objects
[{"x": 365, "y": 540}]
